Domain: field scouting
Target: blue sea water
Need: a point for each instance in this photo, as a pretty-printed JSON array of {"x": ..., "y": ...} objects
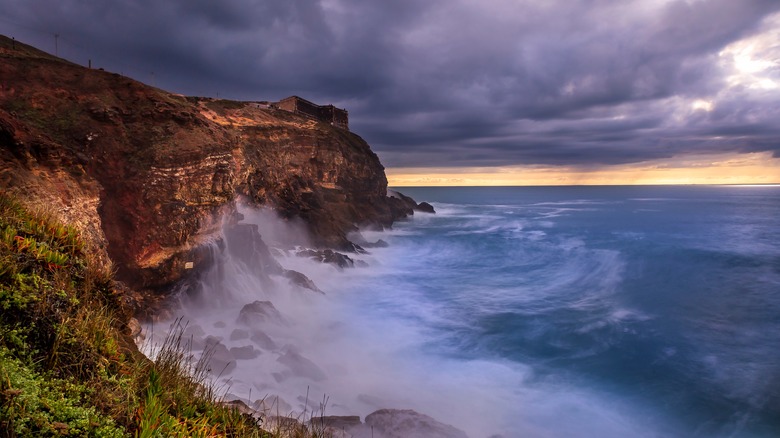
[{"x": 585, "y": 311}]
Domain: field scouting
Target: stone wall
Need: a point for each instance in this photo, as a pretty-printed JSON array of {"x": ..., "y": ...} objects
[{"x": 326, "y": 113}]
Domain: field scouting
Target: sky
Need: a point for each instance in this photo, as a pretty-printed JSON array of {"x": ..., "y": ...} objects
[{"x": 470, "y": 92}]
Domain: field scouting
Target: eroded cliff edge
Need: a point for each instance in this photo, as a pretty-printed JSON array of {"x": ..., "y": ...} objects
[{"x": 145, "y": 173}]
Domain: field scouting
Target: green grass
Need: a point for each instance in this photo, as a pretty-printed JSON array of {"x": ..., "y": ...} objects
[{"x": 67, "y": 366}]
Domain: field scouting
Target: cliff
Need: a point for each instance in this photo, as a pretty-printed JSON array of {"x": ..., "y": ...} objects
[{"x": 145, "y": 173}]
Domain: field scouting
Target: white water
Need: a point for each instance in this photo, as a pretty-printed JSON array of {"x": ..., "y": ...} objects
[{"x": 370, "y": 336}]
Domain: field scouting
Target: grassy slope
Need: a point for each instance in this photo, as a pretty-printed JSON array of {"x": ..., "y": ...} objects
[{"x": 66, "y": 367}]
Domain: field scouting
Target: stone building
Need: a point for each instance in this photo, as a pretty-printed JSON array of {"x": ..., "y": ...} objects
[{"x": 326, "y": 113}]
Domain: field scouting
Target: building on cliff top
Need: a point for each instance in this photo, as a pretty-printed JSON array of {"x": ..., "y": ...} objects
[{"x": 326, "y": 113}]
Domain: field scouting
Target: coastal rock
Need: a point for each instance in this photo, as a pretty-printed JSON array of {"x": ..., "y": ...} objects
[
  {"x": 298, "y": 279},
  {"x": 301, "y": 366},
  {"x": 221, "y": 361},
  {"x": 425, "y": 208},
  {"x": 245, "y": 352},
  {"x": 244, "y": 243},
  {"x": 337, "y": 259},
  {"x": 378, "y": 244},
  {"x": 239, "y": 334},
  {"x": 396, "y": 423},
  {"x": 263, "y": 340},
  {"x": 259, "y": 312}
]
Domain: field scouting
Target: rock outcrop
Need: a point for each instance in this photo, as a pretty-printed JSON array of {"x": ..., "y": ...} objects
[
  {"x": 406, "y": 423},
  {"x": 146, "y": 173},
  {"x": 388, "y": 423}
]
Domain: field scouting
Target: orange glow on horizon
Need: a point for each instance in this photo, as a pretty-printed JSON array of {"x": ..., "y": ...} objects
[{"x": 752, "y": 168}]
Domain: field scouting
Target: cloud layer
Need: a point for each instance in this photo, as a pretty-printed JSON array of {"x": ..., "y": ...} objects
[{"x": 459, "y": 82}]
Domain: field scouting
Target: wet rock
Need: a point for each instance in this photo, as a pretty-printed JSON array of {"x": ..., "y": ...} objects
[
  {"x": 259, "y": 312},
  {"x": 263, "y": 340},
  {"x": 401, "y": 203},
  {"x": 245, "y": 352},
  {"x": 328, "y": 256},
  {"x": 278, "y": 252},
  {"x": 192, "y": 338},
  {"x": 193, "y": 330},
  {"x": 221, "y": 361},
  {"x": 298, "y": 279},
  {"x": 301, "y": 366},
  {"x": 245, "y": 243},
  {"x": 238, "y": 334},
  {"x": 378, "y": 244},
  {"x": 396, "y": 423},
  {"x": 425, "y": 208}
]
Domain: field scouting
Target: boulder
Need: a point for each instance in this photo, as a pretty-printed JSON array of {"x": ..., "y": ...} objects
[
  {"x": 301, "y": 366},
  {"x": 259, "y": 312},
  {"x": 378, "y": 244},
  {"x": 397, "y": 423},
  {"x": 221, "y": 361},
  {"x": 263, "y": 340},
  {"x": 245, "y": 352},
  {"x": 300, "y": 280},
  {"x": 328, "y": 256},
  {"x": 425, "y": 208},
  {"x": 239, "y": 334}
]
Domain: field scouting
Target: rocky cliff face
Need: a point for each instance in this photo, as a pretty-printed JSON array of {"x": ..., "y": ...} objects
[{"x": 145, "y": 173}]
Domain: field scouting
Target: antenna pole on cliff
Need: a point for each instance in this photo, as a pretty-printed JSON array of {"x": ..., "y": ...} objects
[{"x": 56, "y": 48}]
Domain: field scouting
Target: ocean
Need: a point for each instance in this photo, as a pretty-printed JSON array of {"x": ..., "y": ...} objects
[{"x": 641, "y": 311}]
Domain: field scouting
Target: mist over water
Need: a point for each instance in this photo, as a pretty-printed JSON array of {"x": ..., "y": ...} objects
[{"x": 552, "y": 312}]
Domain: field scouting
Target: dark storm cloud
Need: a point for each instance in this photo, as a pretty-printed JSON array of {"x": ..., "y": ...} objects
[{"x": 437, "y": 83}]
